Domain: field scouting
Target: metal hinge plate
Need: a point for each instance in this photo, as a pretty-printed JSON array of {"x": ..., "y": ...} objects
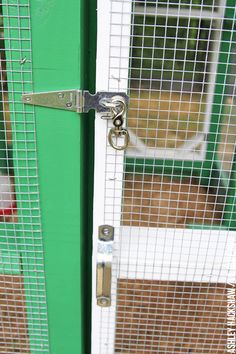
[
  {"x": 73, "y": 100},
  {"x": 104, "y": 265}
]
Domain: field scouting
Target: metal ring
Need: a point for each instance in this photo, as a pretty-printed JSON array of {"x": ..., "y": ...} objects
[{"x": 118, "y": 133}]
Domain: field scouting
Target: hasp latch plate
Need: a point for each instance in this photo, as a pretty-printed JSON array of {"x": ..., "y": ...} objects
[{"x": 80, "y": 101}]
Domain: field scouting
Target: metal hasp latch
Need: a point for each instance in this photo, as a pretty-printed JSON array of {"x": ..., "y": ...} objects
[
  {"x": 104, "y": 265},
  {"x": 113, "y": 104}
]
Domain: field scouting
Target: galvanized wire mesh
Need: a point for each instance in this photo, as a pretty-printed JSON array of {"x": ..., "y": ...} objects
[
  {"x": 23, "y": 312},
  {"x": 171, "y": 196}
]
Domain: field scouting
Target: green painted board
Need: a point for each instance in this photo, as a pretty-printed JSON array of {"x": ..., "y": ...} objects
[
  {"x": 49, "y": 156},
  {"x": 58, "y": 64}
]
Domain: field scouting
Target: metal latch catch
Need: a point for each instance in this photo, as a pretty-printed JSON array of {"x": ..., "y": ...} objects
[{"x": 104, "y": 265}]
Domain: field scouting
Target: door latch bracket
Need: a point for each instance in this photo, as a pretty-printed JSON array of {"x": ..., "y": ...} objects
[{"x": 104, "y": 265}]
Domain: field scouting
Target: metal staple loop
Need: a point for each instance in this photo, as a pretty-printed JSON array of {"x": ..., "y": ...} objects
[{"x": 108, "y": 103}]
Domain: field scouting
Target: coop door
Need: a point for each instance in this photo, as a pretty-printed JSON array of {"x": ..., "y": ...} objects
[{"x": 170, "y": 196}]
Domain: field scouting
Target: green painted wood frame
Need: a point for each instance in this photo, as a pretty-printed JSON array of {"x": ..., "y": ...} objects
[{"x": 64, "y": 149}]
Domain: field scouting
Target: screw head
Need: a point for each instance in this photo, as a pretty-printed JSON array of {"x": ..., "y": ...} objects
[
  {"x": 105, "y": 231},
  {"x": 69, "y": 104},
  {"x": 103, "y": 301}
]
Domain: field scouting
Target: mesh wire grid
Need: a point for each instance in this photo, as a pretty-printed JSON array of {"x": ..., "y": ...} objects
[
  {"x": 171, "y": 196},
  {"x": 23, "y": 312}
]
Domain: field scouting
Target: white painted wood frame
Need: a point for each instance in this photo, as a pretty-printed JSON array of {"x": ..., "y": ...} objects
[{"x": 113, "y": 38}]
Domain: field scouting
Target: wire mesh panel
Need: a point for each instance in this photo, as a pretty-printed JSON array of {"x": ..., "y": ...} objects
[
  {"x": 175, "y": 50},
  {"x": 171, "y": 194},
  {"x": 23, "y": 312}
]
